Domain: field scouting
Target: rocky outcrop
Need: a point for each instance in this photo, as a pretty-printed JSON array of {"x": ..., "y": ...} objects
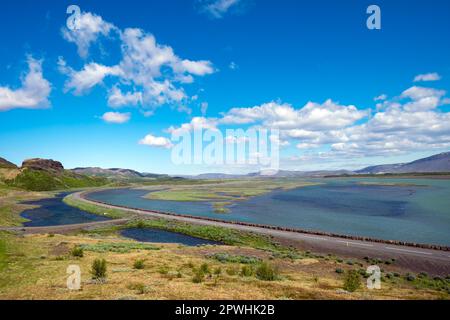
[
  {"x": 43, "y": 164},
  {"x": 5, "y": 164}
]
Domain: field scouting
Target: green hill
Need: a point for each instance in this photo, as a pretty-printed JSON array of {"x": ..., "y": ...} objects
[
  {"x": 41, "y": 180},
  {"x": 44, "y": 175}
]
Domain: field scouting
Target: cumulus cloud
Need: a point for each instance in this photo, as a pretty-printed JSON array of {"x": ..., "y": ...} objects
[
  {"x": 88, "y": 28},
  {"x": 81, "y": 82},
  {"x": 328, "y": 115},
  {"x": 197, "y": 123},
  {"x": 33, "y": 93},
  {"x": 159, "y": 142},
  {"x": 218, "y": 8},
  {"x": 149, "y": 74},
  {"x": 410, "y": 122},
  {"x": 116, "y": 117},
  {"x": 427, "y": 77},
  {"x": 117, "y": 98},
  {"x": 422, "y": 98}
]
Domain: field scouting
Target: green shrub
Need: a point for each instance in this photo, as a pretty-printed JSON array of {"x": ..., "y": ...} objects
[
  {"x": 99, "y": 269},
  {"x": 199, "y": 276},
  {"x": 225, "y": 257},
  {"x": 163, "y": 270},
  {"x": 217, "y": 271},
  {"x": 339, "y": 270},
  {"x": 77, "y": 252},
  {"x": 352, "y": 281},
  {"x": 139, "y": 264},
  {"x": 410, "y": 277},
  {"x": 247, "y": 271},
  {"x": 204, "y": 268},
  {"x": 266, "y": 272},
  {"x": 140, "y": 288},
  {"x": 231, "y": 271}
]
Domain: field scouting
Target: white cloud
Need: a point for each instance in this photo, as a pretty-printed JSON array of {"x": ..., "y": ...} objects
[
  {"x": 160, "y": 142},
  {"x": 81, "y": 82},
  {"x": 422, "y": 98},
  {"x": 197, "y": 123},
  {"x": 233, "y": 65},
  {"x": 116, "y": 117},
  {"x": 218, "y": 8},
  {"x": 89, "y": 28},
  {"x": 381, "y": 97},
  {"x": 117, "y": 98},
  {"x": 33, "y": 93},
  {"x": 427, "y": 77},
  {"x": 313, "y": 116},
  {"x": 148, "y": 74}
]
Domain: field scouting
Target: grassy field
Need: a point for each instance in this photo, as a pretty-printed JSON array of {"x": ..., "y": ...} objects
[
  {"x": 35, "y": 267},
  {"x": 10, "y": 206},
  {"x": 225, "y": 193}
]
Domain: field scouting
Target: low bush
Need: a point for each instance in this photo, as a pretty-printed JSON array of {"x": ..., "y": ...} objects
[
  {"x": 77, "y": 252},
  {"x": 98, "y": 269},
  {"x": 247, "y": 271},
  {"x": 352, "y": 281},
  {"x": 139, "y": 264},
  {"x": 266, "y": 272},
  {"x": 199, "y": 276}
]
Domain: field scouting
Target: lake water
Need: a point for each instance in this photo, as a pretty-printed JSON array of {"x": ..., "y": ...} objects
[
  {"x": 161, "y": 236},
  {"x": 54, "y": 212},
  {"x": 417, "y": 212}
]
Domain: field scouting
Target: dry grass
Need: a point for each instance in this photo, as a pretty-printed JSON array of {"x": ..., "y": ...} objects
[{"x": 36, "y": 269}]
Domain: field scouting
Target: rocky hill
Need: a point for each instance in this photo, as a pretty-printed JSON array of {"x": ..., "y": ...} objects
[{"x": 43, "y": 164}]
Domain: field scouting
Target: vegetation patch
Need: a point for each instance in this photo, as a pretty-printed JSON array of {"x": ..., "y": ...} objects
[
  {"x": 118, "y": 247},
  {"x": 227, "y": 258},
  {"x": 219, "y": 234},
  {"x": 42, "y": 180},
  {"x": 91, "y": 208}
]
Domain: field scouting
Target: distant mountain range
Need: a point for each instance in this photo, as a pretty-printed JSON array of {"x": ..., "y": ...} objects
[
  {"x": 43, "y": 174},
  {"x": 117, "y": 173},
  {"x": 437, "y": 163}
]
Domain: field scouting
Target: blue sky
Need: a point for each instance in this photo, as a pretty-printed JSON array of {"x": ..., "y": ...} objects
[{"x": 310, "y": 68}]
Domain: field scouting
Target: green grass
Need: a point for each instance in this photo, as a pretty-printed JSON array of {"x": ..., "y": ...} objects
[
  {"x": 9, "y": 216},
  {"x": 3, "y": 256},
  {"x": 219, "y": 234},
  {"x": 110, "y": 213},
  {"x": 118, "y": 247},
  {"x": 40, "y": 180},
  {"x": 228, "y": 258},
  {"x": 225, "y": 192}
]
